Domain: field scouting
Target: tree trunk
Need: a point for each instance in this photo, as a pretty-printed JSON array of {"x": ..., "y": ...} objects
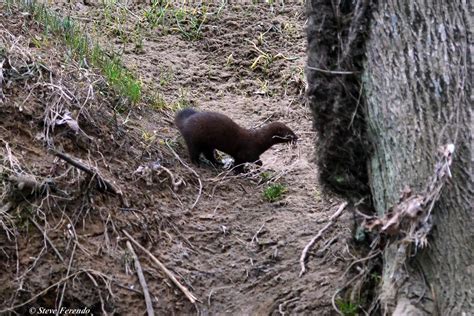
[
  {"x": 416, "y": 95},
  {"x": 417, "y": 89}
]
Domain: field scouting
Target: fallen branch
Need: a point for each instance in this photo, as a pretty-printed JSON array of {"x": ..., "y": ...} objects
[
  {"x": 141, "y": 278},
  {"x": 332, "y": 220},
  {"x": 103, "y": 184},
  {"x": 165, "y": 270}
]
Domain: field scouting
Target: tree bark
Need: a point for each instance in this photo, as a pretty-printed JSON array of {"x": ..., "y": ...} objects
[
  {"x": 416, "y": 97},
  {"x": 418, "y": 94}
]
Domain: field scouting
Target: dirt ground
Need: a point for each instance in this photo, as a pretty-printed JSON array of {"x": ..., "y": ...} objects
[{"x": 235, "y": 251}]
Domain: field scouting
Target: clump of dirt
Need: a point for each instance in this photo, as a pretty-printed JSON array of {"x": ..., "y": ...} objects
[{"x": 63, "y": 241}]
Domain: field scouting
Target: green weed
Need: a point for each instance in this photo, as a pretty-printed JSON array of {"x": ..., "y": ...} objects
[
  {"x": 274, "y": 192},
  {"x": 190, "y": 22},
  {"x": 263, "y": 88},
  {"x": 186, "y": 21},
  {"x": 39, "y": 41},
  {"x": 347, "y": 308},
  {"x": 156, "y": 14}
]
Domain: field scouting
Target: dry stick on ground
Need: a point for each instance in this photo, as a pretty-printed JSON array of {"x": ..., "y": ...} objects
[
  {"x": 255, "y": 237},
  {"x": 47, "y": 239},
  {"x": 332, "y": 220},
  {"x": 5, "y": 217},
  {"x": 102, "y": 183},
  {"x": 141, "y": 278},
  {"x": 190, "y": 169},
  {"x": 58, "y": 310},
  {"x": 102, "y": 304},
  {"x": 168, "y": 273}
]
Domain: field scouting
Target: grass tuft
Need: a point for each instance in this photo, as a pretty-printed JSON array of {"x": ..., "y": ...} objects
[
  {"x": 347, "y": 308},
  {"x": 186, "y": 21},
  {"x": 86, "y": 51},
  {"x": 274, "y": 192}
]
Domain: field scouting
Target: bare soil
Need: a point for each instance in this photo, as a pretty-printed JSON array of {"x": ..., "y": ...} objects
[{"x": 237, "y": 252}]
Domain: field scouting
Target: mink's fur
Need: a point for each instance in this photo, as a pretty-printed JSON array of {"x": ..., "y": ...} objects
[{"x": 204, "y": 132}]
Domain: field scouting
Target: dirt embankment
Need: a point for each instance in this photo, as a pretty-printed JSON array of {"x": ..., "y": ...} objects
[{"x": 237, "y": 252}]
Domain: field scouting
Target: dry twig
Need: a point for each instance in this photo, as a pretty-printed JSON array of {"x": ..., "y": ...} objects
[
  {"x": 47, "y": 239},
  {"x": 141, "y": 278},
  {"x": 255, "y": 237},
  {"x": 163, "y": 268},
  {"x": 190, "y": 169},
  {"x": 102, "y": 183},
  {"x": 332, "y": 220},
  {"x": 65, "y": 283}
]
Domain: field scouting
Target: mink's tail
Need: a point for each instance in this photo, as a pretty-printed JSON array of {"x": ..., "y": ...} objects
[{"x": 182, "y": 116}]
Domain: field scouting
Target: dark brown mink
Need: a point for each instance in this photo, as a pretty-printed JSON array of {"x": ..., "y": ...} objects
[{"x": 204, "y": 132}]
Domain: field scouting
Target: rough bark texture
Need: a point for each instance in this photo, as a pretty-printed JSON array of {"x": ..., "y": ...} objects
[
  {"x": 418, "y": 89},
  {"x": 416, "y": 97}
]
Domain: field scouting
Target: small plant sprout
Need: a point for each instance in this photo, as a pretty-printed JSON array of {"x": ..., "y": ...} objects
[
  {"x": 148, "y": 137},
  {"x": 158, "y": 102},
  {"x": 138, "y": 39},
  {"x": 230, "y": 60},
  {"x": 260, "y": 38},
  {"x": 289, "y": 28},
  {"x": 157, "y": 13},
  {"x": 274, "y": 192},
  {"x": 183, "y": 101},
  {"x": 262, "y": 87},
  {"x": 166, "y": 76},
  {"x": 347, "y": 308}
]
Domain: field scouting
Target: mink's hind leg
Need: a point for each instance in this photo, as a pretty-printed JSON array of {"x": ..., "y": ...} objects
[{"x": 194, "y": 153}]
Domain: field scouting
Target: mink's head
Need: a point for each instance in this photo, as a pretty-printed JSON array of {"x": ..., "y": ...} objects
[{"x": 281, "y": 133}]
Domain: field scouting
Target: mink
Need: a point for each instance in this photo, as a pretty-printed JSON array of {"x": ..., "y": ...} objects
[{"x": 204, "y": 132}]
